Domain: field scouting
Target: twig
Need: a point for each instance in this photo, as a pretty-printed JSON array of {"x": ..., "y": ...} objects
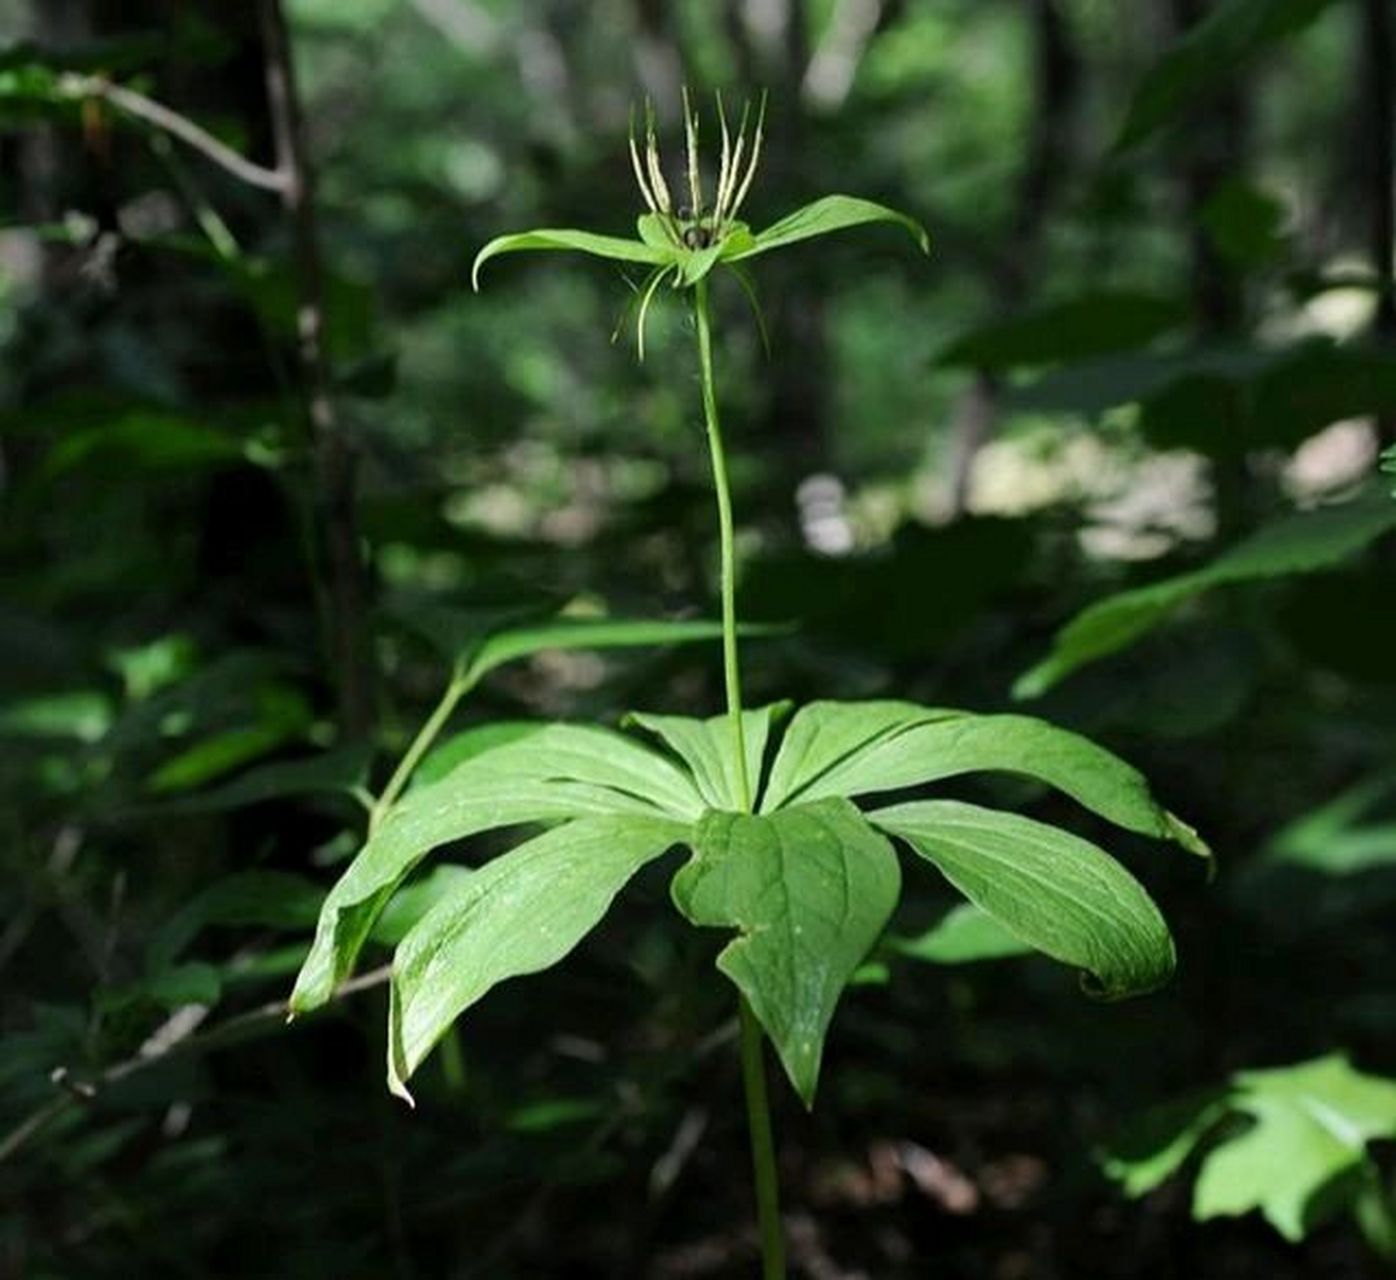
[
  {"x": 175, "y": 1037},
  {"x": 177, "y": 126}
]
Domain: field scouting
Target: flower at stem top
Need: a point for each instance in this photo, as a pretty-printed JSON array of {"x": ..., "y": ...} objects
[{"x": 682, "y": 243}]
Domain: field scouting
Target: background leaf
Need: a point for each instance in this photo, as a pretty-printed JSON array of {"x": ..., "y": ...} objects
[{"x": 1301, "y": 543}]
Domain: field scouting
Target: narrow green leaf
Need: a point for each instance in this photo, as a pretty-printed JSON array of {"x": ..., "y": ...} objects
[
  {"x": 1055, "y": 891},
  {"x": 1301, "y": 543},
  {"x": 963, "y": 935},
  {"x": 708, "y": 748},
  {"x": 516, "y": 915},
  {"x": 825, "y": 734},
  {"x": 512, "y": 643},
  {"x": 810, "y": 888},
  {"x": 558, "y": 773},
  {"x": 597, "y": 246},
  {"x": 821, "y": 218},
  {"x": 913, "y": 753}
]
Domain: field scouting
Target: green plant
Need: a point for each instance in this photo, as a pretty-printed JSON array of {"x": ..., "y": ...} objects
[
  {"x": 780, "y": 854},
  {"x": 1290, "y": 1142}
]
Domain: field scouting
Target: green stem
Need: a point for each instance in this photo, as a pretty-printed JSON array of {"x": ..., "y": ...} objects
[
  {"x": 758, "y": 1111},
  {"x": 763, "y": 1154},
  {"x": 462, "y": 681},
  {"x": 730, "y": 668}
]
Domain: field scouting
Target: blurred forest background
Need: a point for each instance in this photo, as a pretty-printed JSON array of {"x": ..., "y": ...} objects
[{"x": 1148, "y": 370}]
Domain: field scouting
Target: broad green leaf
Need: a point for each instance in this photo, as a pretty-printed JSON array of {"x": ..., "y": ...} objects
[
  {"x": 1312, "y": 1125},
  {"x": 1208, "y": 57},
  {"x": 1301, "y": 543},
  {"x": 1055, "y": 891},
  {"x": 964, "y": 935},
  {"x": 517, "y": 914},
  {"x": 708, "y": 748},
  {"x": 453, "y": 751},
  {"x": 810, "y": 889},
  {"x": 825, "y": 734},
  {"x": 581, "y": 241},
  {"x": 558, "y": 773},
  {"x": 1093, "y": 325},
  {"x": 821, "y": 218},
  {"x": 955, "y": 743}
]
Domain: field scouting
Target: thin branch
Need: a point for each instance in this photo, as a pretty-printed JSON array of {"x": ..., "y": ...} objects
[
  {"x": 174, "y": 1038},
  {"x": 175, "y": 125}
]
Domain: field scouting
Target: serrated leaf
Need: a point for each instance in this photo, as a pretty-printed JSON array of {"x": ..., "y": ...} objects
[
  {"x": 561, "y": 772},
  {"x": 598, "y": 246},
  {"x": 966, "y": 934},
  {"x": 1312, "y": 1125},
  {"x": 517, "y": 914},
  {"x": 1301, "y": 543},
  {"x": 909, "y": 752},
  {"x": 810, "y": 888},
  {"x": 822, "y": 217},
  {"x": 823, "y": 735},
  {"x": 708, "y": 748},
  {"x": 1053, "y": 890}
]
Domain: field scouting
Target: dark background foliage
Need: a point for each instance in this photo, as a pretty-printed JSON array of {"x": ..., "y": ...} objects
[{"x": 1158, "y": 315}]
